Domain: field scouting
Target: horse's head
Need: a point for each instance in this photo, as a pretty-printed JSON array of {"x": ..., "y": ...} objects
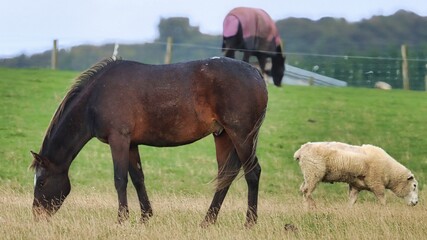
[
  {"x": 278, "y": 67},
  {"x": 51, "y": 186}
]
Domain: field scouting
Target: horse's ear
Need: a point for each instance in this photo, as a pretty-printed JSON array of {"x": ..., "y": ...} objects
[{"x": 39, "y": 160}]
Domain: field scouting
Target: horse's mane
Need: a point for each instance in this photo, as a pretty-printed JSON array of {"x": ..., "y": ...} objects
[{"x": 79, "y": 84}]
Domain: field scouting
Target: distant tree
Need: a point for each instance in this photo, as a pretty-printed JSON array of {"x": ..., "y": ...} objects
[{"x": 178, "y": 28}]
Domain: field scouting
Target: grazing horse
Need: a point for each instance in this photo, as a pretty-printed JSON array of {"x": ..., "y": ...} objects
[
  {"x": 126, "y": 103},
  {"x": 253, "y": 32}
]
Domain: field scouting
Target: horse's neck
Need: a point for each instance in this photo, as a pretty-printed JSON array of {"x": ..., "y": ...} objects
[{"x": 67, "y": 138}]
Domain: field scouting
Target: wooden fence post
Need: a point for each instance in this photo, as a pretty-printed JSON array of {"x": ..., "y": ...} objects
[
  {"x": 54, "y": 59},
  {"x": 425, "y": 78},
  {"x": 168, "y": 56},
  {"x": 115, "y": 51},
  {"x": 405, "y": 73}
]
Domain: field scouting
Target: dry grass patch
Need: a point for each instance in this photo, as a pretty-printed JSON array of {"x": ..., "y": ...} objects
[{"x": 93, "y": 216}]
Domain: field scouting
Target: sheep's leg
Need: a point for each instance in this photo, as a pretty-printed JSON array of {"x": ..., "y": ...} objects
[
  {"x": 307, "y": 187},
  {"x": 380, "y": 194},
  {"x": 302, "y": 186},
  {"x": 352, "y": 194}
]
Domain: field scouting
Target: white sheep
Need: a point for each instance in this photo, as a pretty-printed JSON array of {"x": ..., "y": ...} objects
[
  {"x": 363, "y": 167},
  {"x": 383, "y": 85}
]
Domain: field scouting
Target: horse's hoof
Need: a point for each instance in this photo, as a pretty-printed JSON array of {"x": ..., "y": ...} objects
[
  {"x": 144, "y": 220},
  {"x": 206, "y": 224},
  {"x": 290, "y": 227},
  {"x": 250, "y": 224},
  {"x": 122, "y": 219}
]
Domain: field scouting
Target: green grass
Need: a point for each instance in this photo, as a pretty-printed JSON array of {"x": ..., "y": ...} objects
[{"x": 394, "y": 120}]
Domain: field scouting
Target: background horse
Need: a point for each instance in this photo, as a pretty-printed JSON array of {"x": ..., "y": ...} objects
[
  {"x": 125, "y": 103},
  {"x": 253, "y": 32}
]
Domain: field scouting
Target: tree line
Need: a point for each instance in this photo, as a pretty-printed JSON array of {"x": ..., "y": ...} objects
[{"x": 357, "y": 52}]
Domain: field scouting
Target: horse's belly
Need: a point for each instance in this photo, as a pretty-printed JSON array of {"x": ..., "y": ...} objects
[
  {"x": 175, "y": 135},
  {"x": 168, "y": 138},
  {"x": 165, "y": 142}
]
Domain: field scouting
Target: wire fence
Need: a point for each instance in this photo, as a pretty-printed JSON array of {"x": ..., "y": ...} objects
[
  {"x": 356, "y": 70},
  {"x": 363, "y": 71}
]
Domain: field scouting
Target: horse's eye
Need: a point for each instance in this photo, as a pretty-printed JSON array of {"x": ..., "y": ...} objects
[{"x": 41, "y": 183}]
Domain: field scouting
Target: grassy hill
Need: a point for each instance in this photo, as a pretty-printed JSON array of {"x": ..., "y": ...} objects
[{"x": 179, "y": 179}]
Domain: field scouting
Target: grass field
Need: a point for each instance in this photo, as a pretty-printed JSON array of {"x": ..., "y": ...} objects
[{"x": 179, "y": 179}]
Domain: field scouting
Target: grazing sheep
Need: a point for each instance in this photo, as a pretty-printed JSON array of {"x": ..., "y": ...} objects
[
  {"x": 363, "y": 167},
  {"x": 382, "y": 85}
]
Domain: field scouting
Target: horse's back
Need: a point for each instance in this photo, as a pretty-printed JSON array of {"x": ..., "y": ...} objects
[
  {"x": 217, "y": 75},
  {"x": 175, "y": 104}
]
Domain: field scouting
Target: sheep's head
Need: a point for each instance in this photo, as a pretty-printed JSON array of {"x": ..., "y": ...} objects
[{"x": 410, "y": 190}]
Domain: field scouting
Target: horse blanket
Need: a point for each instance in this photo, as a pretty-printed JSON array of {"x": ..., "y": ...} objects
[{"x": 258, "y": 29}]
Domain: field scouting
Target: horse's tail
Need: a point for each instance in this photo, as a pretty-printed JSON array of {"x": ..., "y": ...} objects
[{"x": 231, "y": 168}]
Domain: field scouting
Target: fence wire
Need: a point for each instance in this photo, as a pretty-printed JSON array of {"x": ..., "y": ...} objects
[{"x": 357, "y": 70}]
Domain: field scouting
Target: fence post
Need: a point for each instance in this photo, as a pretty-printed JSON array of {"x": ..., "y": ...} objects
[
  {"x": 115, "y": 51},
  {"x": 54, "y": 59},
  {"x": 405, "y": 73},
  {"x": 425, "y": 78},
  {"x": 168, "y": 56}
]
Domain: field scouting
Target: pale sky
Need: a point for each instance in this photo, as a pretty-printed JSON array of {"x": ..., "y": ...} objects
[{"x": 30, "y": 26}]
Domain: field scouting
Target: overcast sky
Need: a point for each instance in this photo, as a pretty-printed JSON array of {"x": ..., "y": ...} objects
[{"x": 29, "y": 26}]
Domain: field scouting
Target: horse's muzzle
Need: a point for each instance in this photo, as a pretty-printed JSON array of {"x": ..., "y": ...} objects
[{"x": 41, "y": 212}]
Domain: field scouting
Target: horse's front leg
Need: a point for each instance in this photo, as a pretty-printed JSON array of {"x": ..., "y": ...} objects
[
  {"x": 262, "y": 61},
  {"x": 230, "y": 53},
  {"x": 246, "y": 56},
  {"x": 137, "y": 176},
  {"x": 119, "y": 145}
]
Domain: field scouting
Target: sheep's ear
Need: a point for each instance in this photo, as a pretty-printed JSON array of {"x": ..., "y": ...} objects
[{"x": 410, "y": 177}]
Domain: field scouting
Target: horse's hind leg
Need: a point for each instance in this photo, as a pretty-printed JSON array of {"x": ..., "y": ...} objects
[
  {"x": 252, "y": 175},
  {"x": 246, "y": 148},
  {"x": 137, "y": 176},
  {"x": 228, "y": 168}
]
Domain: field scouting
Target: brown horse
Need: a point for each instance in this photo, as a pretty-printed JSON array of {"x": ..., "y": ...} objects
[
  {"x": 125, "y": 103},
  {"x": 252, "y": 31}
]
